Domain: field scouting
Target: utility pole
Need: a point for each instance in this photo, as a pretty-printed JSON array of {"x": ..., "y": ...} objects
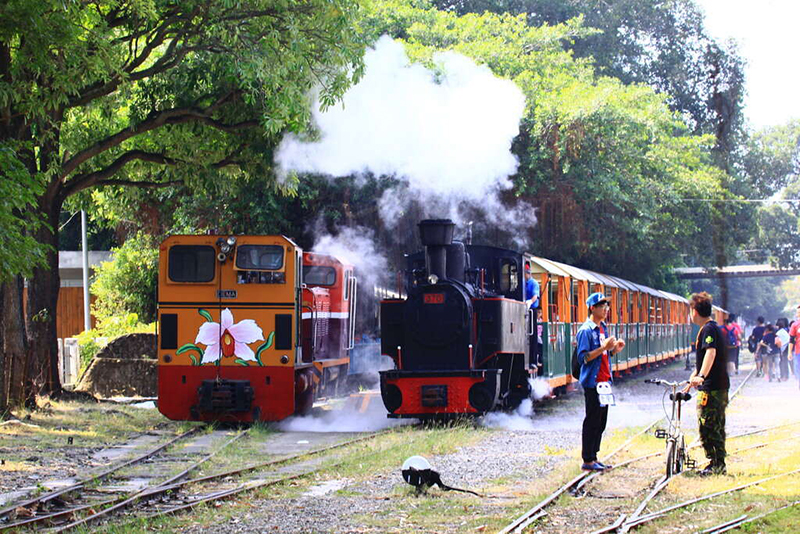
[{"x": 87, "y": 323}]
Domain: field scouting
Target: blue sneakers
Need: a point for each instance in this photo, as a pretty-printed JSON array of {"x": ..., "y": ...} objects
[{"x": 593, "y": 466}]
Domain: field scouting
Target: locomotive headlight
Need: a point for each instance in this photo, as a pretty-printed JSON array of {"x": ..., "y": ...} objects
[
  {"x": 225, "y": 248},
  {"x": 231, "y": 241},
  {"x": 432, "y": 279}
]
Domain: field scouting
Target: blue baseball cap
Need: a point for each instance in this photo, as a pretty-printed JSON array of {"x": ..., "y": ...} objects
[{"x": 595, "y": 299}]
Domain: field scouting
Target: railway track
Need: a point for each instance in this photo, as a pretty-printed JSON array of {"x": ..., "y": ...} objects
[
  {"x": 626, "y": 522},
  {"x": 88, "y": 502},
  {"x": 31, "y": 505}
]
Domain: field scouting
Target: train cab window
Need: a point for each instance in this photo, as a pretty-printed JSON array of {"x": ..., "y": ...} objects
[
  {"x": 192, "y": 263},
  {"x": 509, "y": 276},
  {"x": 347, "y": 276},
  {"x": 259, "y": 264},
  {"x": 259, "y": 257},
  {"x": 319, "y": 275}
]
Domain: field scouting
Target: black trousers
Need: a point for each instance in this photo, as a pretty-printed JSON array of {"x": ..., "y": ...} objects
[
  {"x": 593, "y": 424},
  {"x": 733, "y": 356}
]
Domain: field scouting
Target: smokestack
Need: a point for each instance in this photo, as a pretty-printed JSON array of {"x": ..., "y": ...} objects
[{"x": 436, "y": 235}]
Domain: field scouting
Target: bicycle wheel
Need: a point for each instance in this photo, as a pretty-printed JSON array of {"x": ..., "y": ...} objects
[
  {"x": 671, "y": 452},
  {"x": 680, "y": 455}
]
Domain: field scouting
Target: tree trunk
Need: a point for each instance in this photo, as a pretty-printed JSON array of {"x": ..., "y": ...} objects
[
  {"x": 3, "y": 358},
  {"x": 15, "y": 342},
  {"x": 41, "y": 313}
]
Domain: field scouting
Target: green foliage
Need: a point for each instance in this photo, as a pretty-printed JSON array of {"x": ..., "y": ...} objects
[
  {"x": 749, "y": 297},
  {"x": 772, "y": 169},
  {"x": 608, "y": 165},
  {"x": 19, "y": 251},
  {"x": 91, "y": 341},
  {"x": 662, "y": 44},
  {"x": 127, "y": 284}
]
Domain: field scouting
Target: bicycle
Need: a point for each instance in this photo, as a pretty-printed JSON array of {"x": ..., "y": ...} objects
[{"x": 677, "y": 458}]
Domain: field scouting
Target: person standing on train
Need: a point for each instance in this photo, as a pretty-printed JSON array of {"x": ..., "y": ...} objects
[
  {"x": 710, "y": 377},
  {"x": 532, "y": 301},
  {"x": 594, "y": 348}
]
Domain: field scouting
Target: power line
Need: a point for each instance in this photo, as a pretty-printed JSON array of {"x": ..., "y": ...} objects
[{"x": 754, "y": 200}]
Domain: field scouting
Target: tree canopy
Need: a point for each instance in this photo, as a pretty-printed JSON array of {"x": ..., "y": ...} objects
[{"x": 154, "y": 94}]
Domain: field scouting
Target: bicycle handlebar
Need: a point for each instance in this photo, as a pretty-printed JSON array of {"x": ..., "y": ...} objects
[{"x": 658, "y": 381}]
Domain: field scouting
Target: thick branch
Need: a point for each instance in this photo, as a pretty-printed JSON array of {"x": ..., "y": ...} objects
[
  {"x": 142, "y": 185},
  {"x": 84, "y": 181},
  {"x": 229, "y": 159},
  {"x": 156, "y": 120}
]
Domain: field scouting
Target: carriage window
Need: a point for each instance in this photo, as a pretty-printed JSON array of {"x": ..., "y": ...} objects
[
  {"x": 509, "y": 277},
  {"x": 192, "y": 263},
  {"x": 318, "y": 275},
  {"x": 552, "y": 300},
  {"x": 267, "y": 257}
]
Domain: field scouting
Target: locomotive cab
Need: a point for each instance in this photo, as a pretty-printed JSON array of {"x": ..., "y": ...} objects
[{"x": 233, "y": 343}]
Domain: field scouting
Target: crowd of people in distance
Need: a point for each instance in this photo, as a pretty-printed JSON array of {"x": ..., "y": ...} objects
[{"x": 776, "y": 348}]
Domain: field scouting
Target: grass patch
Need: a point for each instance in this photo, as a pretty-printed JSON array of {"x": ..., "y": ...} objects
[
  {"x": 89, "y": 425},
  {"x": 388, "y": 452},
  {"x": 749, "y": 466}
]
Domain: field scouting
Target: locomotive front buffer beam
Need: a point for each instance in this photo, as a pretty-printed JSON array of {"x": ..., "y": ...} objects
[{"x": 431, "y": 394}]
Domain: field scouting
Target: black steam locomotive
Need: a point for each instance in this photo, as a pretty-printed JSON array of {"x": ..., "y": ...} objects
[{"x": 460, "y": 340}]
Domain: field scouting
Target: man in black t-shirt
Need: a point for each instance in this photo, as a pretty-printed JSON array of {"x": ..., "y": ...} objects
[{"x": 711, "y": 380}]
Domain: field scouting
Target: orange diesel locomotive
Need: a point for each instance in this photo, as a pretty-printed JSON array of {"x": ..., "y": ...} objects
[{"x": 251, "y": 328}]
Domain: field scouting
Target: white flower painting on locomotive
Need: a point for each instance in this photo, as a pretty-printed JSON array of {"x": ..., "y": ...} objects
[{"x": 227, "y": 338}]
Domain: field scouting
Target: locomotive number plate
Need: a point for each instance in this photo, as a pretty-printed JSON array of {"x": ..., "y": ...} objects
[
  {"x": 226, "y": 293},
  {"x": 434, "y": 298}
]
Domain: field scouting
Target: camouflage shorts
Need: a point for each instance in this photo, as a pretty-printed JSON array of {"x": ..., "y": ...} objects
[{"x": 711, "y": 407}]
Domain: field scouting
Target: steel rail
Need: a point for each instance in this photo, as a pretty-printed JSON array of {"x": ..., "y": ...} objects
[
  {"x": 139, "y": 494},
  {"x": 634, "y": 519},
  {"x": 736, "y": 523},
  {"x": 613, "y": 526},
  {"x": 591, "y": 477},
  {"x": 254, "y": 467},
  {"x": 609, "y": 528},
  {"x": 660, "y": 485},
  {"x": 173, "y": 484},
  {"x": 254, "y": 485},
  {"x": 227, "y": 493},
  {"x": 517, "y": 524},
  {"x": 722, "y": 527},
  {"x": 82, "y": 482},
  {"x": 649, "y": 517},
  {"x": 113, "y": 501}
]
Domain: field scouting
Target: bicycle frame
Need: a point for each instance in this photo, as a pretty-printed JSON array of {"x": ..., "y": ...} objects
[{"x": 677, "y": 458}]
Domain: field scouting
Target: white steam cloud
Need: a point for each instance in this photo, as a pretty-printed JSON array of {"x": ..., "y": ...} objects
[
  {"x": 522, "y": 417},
  {"x": 359, "y": 413},
  {"x": 355, "y": 246},
  {"x": 447, "y": 136}
]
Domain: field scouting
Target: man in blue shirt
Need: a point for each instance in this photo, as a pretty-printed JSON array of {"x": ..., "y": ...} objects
[
  {"x": 594, "y": 349},
  {"x": 532, "y": 301},
  {"x": 531, "y": 288}
]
